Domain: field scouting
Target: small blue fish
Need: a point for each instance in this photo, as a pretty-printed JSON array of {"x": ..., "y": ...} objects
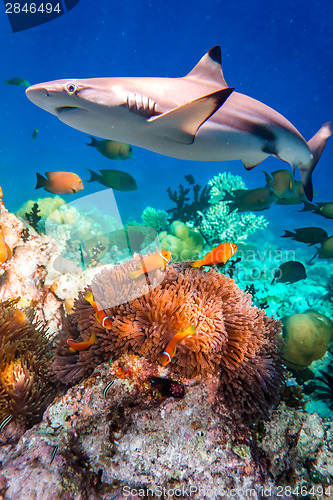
[
  {"x": 107, "y": 387},
  {"x": 55, "y": 449},
  {"x": 5, "y": 422}
]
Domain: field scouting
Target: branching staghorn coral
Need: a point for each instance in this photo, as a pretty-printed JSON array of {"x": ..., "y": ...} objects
[
  {"x": 157, "y": 219},
  {"x": 223, "y": 182},
  {"x": 217, "y": 224},
  {"x": 25, "y": 387},
  {"x": 232, "y": 339}
]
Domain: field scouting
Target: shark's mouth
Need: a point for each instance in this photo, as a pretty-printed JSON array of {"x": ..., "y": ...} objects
[{"x": 65, "y": 109}]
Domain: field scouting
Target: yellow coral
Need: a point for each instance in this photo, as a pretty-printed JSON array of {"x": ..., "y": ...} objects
[
  {"x": 306, "y": 338},
  {"x": 45, "y": 205},
  {"x": 182, "y": 241}
]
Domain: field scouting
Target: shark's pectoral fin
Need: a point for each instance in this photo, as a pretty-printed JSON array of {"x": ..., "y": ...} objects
[
  {"x": 181, "y": 124},
  {"x": 253, "y": 160}
]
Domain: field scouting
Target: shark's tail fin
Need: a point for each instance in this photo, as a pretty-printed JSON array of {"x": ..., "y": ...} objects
[{"x": 316, "y": 146}]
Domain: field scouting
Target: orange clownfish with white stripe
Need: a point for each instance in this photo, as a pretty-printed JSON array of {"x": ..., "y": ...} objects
[
  {"x": 81, "y": 346},
  {"x": 219, "y": 255},
  {"x": 170, "y": 349},
  {"x": 157, "y": 260},
  {"x": 101, "y": 316}
]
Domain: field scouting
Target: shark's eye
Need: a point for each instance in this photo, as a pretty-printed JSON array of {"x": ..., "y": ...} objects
[{"x": 71, "y": 88}]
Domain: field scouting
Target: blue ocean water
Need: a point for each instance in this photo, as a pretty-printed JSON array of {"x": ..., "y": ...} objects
[{"x": 279, "y": 53}]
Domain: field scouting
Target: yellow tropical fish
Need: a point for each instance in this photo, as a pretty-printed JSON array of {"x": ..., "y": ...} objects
[{"x": 170, "y": 349}]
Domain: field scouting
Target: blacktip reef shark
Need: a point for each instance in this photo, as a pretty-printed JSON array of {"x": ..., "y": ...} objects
[{"x": 195, "y": 117}]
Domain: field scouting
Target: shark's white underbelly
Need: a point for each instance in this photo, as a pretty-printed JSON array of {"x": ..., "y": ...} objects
[{"x": 214, "y": 140}]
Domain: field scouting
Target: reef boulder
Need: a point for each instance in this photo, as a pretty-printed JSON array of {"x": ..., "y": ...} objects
[{"x": 306, "y": 338}]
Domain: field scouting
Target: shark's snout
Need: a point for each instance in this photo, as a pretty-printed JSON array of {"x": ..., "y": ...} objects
[
  {"x": 42, "y": 97},
  {"x": 36, "y": 93}
]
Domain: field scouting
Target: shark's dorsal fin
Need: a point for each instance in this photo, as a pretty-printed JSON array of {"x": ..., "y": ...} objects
[
  {"x": 209, "y": 68},
  {"x": 181, "y": 124}
]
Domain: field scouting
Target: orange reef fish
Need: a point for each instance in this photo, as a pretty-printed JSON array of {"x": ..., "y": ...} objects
[
  {"x": 60, "y": 182},
  {"x": 157, "y": 260},
  {"x": 101, "y": 316},
  {"x": 219, "y": 255},
  {"x": 5, "y": 251},
  {"x": 81, "y": 346},
  {"x": 170, "y": 349}
]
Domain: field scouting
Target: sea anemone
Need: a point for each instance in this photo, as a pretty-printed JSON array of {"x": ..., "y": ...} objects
[
  {"x": 232, "y": 337},
  {"x": 25, "y": 388}
]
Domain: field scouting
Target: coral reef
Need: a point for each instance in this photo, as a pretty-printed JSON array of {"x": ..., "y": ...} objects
[
  {"x": 157, "y": 219},
  {"x": 231, "y": 336},
  {"x": 217, "y": 224},
  {"x": 306, "y": 338},
  {"x": 300, "y": 449},
  {"x": 132, "y": 441},
  {"x": 184, "y": 211},
  {"x": 35, "y": 212},
  {"x": 222, "y": 183},
  {"x": 324, "y": 384},
  {"x": 183, "y": 242},
  {"x": 33, "y": 216},
  {"x": 25, "y": 387}
]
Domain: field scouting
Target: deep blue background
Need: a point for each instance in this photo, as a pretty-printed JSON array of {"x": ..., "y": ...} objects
[{"x": 277, "y": 52}]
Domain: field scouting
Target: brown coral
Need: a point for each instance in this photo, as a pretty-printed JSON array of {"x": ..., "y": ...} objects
[
  {"x": 232, "y": 336},
  {"x": 25, "y": 389}
]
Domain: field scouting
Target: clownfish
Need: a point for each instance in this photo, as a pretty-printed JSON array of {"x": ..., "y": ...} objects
[
  {"x": 219, "y": 255},
  {"x": 81, "y": 346},
  {"x": 101, "y": 316},
  {"x": 170, "y": 349},
  {"x": 157, "y": 260},
  {"x": 5, "y": 251}
]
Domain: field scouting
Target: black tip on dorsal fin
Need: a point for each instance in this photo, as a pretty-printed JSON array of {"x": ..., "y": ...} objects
[
  {"x": 209, "y": 69},
  {"x": 216, "y": 54}
]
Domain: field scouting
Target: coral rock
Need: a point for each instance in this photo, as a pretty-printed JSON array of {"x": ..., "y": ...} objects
[{"x": 306, "y": 338}]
